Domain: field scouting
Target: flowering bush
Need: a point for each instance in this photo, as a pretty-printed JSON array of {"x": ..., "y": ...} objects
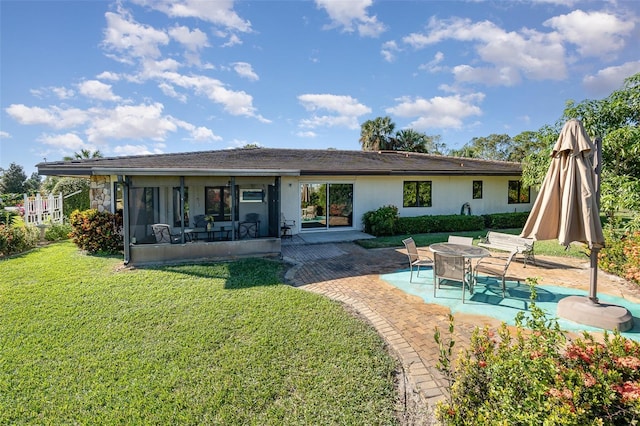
[
  {"x": 535, "y": 377},
  {"x": 622, "y": 256},
  {"x": 97, "y": 232},
  {"x": 17, "y": 237}
]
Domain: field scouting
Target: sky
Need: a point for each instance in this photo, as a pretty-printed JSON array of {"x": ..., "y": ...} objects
[{"x": 158, "y": 76}]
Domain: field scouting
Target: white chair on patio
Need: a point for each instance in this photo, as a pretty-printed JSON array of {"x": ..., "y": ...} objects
[
  {"x": 414, "y": 257},
  {"x": 466, "y": 241}
]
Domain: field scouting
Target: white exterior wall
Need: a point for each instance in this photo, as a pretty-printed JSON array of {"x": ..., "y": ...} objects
[{"x": 449, "y": 193}]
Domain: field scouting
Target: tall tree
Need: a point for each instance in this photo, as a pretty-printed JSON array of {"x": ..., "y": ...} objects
[
  {"x": 375, "y": 134},
  {"x": 414, "y": 141},
  {"x": 12, "y": 180},
  {"x": 492, "y": 147}
]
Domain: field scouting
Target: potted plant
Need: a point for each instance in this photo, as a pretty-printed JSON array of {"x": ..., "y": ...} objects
[{"x": 210, "y": 220}]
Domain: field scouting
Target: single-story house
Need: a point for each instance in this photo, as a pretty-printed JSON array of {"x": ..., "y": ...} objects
[{"x": 242, "y": 202}]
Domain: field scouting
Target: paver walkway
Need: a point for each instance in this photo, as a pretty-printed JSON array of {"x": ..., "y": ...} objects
[{"x": 349, "y": 273}]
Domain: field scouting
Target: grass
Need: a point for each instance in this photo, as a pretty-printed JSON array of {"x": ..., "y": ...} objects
[
  {"x": 82, "y": 342},
  {"x": 545, "y": 248}
]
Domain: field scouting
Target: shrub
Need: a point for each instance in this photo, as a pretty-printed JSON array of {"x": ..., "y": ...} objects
[
  {"x": 382, "y": 221},
  {"x": 17, "y": 237},
  {"x": 505, "y": 220},
  {"x": 97, "y": 232},
  {"x": 534, "y": 377},
  {"x": 439, "y": 223},
  {"x": 58, "y": 232},
  {"x": 621, "y": 256}
]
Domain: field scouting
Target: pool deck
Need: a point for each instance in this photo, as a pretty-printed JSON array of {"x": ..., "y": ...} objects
[{"x": 348, "y": 273}]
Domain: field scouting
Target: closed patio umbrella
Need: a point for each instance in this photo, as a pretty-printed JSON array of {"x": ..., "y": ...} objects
[{"x": 567, "y": 209}]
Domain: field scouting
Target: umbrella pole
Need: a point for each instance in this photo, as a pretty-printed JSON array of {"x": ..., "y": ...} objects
[{"x": 593, "y": 287}]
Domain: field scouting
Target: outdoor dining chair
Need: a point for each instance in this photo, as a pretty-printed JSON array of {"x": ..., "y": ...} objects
[
  {"x": 496, "y": 266},
  {"x": 414, "y": 257},
  {"x": 286, "y": 226},
  {"x": 467, "y": 241},
  {"x": 451, "y": 268},
  {"x": 163, "y": 234}
]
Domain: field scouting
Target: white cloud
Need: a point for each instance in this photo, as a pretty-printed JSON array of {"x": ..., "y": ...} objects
[
  {"x": 609, "y": 79},
  {"x": 389, "y": 50},
  {"x": 131, "y": 39},
  {"x": 127, "y": 150},
  {"x": 203, "y": 134},
  {"x": 245, "y": 70},
  {"x": 598, "y": 34},
  {"x": 4, "y": 135},
  {"x": 95, "y": 89},
  {"x": 219, "y": 12},
  {"x": 130, "y": 122},
  {"x": 505, "y": 76},
  {"x": 345, "y": 109},
  {"x": 55, "y": 117},
  {"x": 192, "y": 40},
  {"x": 234, "y": 102},
  {"x": 438, "y": 112},
  {"x": 351, "y": 16},
  {"x": 63, "y": 92},
  {"x": 536, "y": 55},
  {"x": 433, "y": 65},
  {"x": 170, "y": 91},
  {"x": 308, "y": 134},
  {"x": 108, "y": 75},
  {"x": 68, "y": 142}
]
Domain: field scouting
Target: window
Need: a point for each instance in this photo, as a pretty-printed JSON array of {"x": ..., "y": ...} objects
[
  {"x": 177, "y": 206},
  {"x": 518, "y": 194},
  {"x": 217, "y": 203},
  {"x": 477, "y": 189},
  {"x": 416, "y": 194}
]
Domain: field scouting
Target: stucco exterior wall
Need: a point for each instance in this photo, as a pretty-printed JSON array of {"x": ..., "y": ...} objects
[{"x": 449, "y": 193}]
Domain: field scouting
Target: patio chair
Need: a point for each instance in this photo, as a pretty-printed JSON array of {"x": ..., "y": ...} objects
[
  {"x": 467, "y": 241},
  {"x": 496, "y": 266},
  {"x": 163, "y": 234},
  {"x": 285, "y": 226},
  {"x": 452, "y": 268},
  {"x": 250, "y": 228},
  {"x": 414, "y": 257}
]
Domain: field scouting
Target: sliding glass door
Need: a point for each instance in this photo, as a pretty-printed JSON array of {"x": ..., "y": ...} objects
[{"x": 326, "y": 205}]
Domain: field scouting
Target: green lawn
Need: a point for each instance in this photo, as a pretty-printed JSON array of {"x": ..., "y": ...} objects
[
  {"x": 82, "y": 342},
  {"x": 548, "y": 248}
]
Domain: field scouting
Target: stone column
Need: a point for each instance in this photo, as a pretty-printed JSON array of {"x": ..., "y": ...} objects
[{"x": 100, "y": 193}]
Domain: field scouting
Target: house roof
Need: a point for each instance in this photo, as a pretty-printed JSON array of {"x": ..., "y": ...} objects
[{"x": 280, "y": 162}]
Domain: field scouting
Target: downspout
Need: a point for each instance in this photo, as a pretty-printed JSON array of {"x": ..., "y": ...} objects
[
  {"x": 233, "y": 208},
  {"x": 278, "y": 183},
  {"x": 182, "y": 209},
  {"x": 126, "y": 229}
]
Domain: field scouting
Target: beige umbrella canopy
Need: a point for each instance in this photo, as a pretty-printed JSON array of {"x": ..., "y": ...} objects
[
  {"x": 567, "y": 209},
  {"x": 567, "y": 206}
]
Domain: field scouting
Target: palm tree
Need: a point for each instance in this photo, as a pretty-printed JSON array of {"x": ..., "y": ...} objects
[
  {"x": 411, "y": 140},
  {"x": 376, "y": 134},
  {"x": 83, "y": 155}
]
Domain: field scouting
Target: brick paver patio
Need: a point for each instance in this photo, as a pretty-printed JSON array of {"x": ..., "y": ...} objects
[{"x": 348, "y": 273}]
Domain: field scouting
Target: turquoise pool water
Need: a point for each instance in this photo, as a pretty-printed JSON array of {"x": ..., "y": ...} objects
[{"x": 487, "y": 299}]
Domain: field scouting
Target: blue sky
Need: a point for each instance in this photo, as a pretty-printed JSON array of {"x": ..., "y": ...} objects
[{"x": 143, "y": 76}]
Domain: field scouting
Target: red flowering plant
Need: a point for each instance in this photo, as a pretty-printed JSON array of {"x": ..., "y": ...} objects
[
  {"x": 533, "y": 375},
  {"x": 96, "y": 232}
]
